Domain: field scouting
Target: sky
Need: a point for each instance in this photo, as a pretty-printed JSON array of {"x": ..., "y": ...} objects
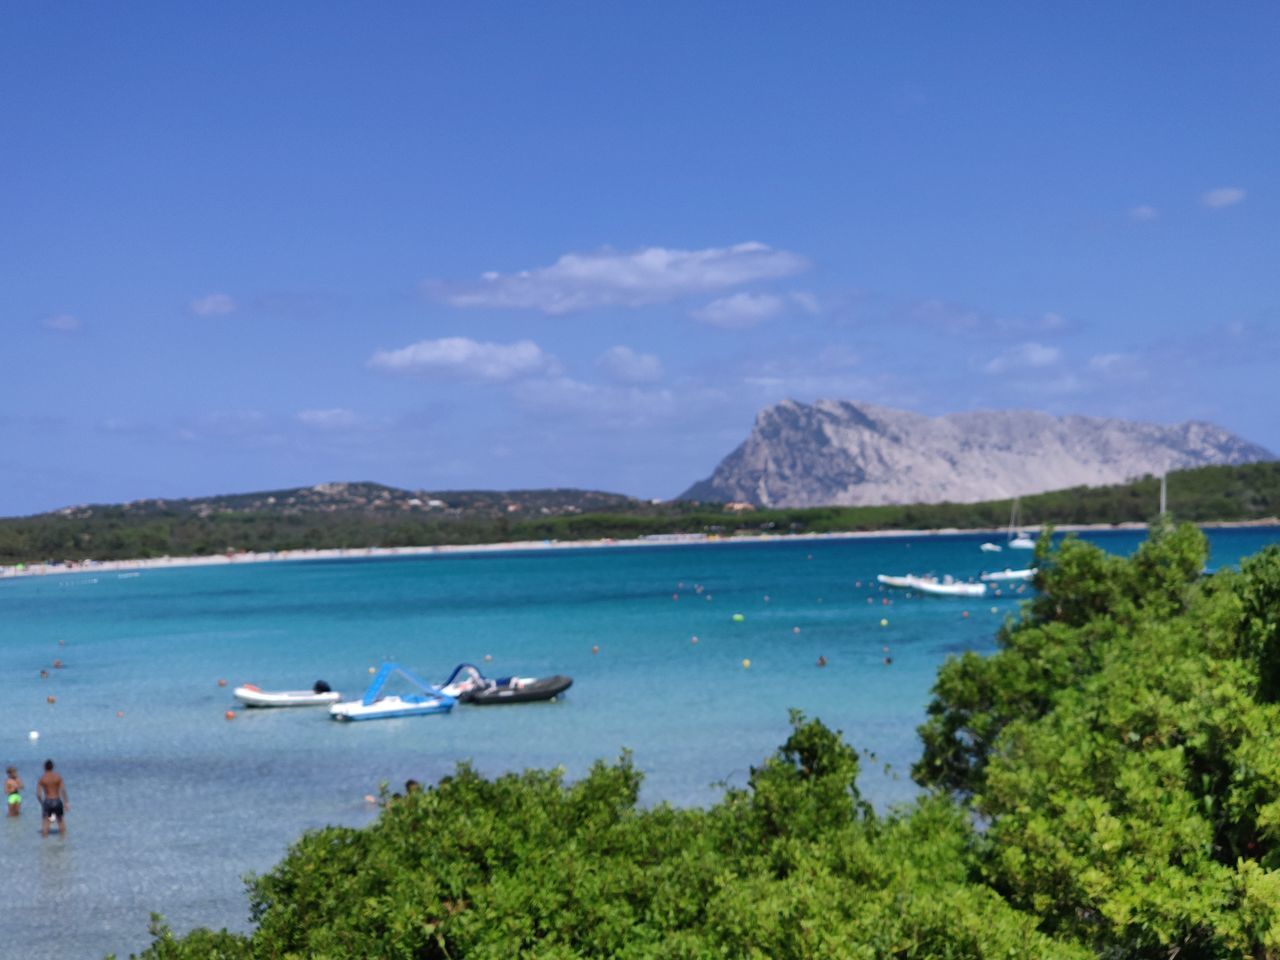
[{"x": 250, "y": 246}]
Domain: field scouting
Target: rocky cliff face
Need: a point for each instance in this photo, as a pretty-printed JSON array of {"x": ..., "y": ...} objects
[{"x": 837, "y": 452}]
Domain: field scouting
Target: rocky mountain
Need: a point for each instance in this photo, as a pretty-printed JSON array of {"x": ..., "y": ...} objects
[{"x": 838, "y": 452}]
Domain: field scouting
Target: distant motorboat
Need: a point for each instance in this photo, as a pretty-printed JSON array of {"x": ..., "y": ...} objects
[
  {"x": 991, "y": 548},
  {"x": 1004, "y": 576},
  {"x": 946, "y": 587},
  {"x": 376, "y": 705},
  {"x": 319, "y": 695}
]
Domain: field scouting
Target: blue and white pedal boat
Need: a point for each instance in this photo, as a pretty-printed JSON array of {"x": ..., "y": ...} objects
[{"x": 377, "y": 705}]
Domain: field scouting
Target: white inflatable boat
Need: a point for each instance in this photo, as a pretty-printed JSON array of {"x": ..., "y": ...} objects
[{"x": 254, "y": 696}]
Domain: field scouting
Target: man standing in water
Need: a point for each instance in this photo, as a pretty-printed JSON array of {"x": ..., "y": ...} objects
[{"x": 52, "y": 794}]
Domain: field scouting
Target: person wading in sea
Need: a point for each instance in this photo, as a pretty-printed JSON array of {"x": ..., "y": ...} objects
[
  {"x": 52, "y": 794},
  {"x": 13, "y": 791}
]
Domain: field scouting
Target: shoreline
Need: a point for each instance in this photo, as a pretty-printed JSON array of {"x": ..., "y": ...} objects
[{"x": 657, "y": 540}]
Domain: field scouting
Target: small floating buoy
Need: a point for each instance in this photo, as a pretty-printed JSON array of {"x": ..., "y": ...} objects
[
  {"x": 994, "y": 610},
  {"x": 230, "y": 714},
  {"x": 738, "y": 618},
  {"x": 884, "y": 623},
  {"x": 51, "y": 699},
  {"x": 964, "y": 614},
  {"x": 222, "y": 683},
  {"x": 62, "y": 643},
  {"x": 33, "y": 735},
  {"x": 766, "y": 598},
  {"x": 871, "y": 599},
  {"x": 370, "y": 798},
  {"x": 372, "y": 670},
  {"x": 57, "y": 664},
  {"x": 795, "y": 629},
  {"x": 675, "y": 596},
  {"x": 746, "y": 664},
  {"x": 888, "y": 660},
  {"x": 595, "y": 648},
  {"x": 693, "y": 639},
  {"x": 488, "y": 657},
  {"x": 119, "y": 713}
]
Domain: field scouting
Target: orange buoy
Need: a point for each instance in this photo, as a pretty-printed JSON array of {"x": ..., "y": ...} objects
[
  {"x": 51, "y": 699},
  {"x": 57, "y": 664},
  {"x": 222, "y": 683},
  {"x": 119, "y": 713},
  {"x": 595, "y": 649},
  {"x": 230, "y": 714}
]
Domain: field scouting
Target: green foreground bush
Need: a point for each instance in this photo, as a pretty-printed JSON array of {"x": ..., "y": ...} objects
[{"x": 1106, "y": 785}]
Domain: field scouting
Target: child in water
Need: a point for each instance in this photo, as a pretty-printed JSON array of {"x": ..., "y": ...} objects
[{"x": 13, "y": 791}]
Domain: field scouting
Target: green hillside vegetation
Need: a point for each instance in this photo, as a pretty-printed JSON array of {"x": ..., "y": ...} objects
[
  {"x": 368, "y": 515},
  {"x": 1105, "y": 785}
]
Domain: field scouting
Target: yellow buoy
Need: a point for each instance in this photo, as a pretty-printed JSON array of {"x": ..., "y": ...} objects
[
  {"x": 738, "y": 618},
  {"x": 884, "y": 623},
  {"x": 746, "y": 664}
]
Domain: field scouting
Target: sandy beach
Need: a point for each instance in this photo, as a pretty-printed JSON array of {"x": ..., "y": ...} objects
[{"x": 657, "y": 540}]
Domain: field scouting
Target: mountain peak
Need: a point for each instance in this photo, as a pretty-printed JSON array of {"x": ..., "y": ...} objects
[{"x": 841, "y": 452}]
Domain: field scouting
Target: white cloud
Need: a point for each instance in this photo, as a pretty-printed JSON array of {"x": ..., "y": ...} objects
[
  {"x": 63, "y": 322},
  {"x": 627, "y": 366},
  {"x": 582, "y": 281},
  {"x": 214, "y": 305},
  {"x": 1024, "y": 355},
  {"x": 740, "y": 310},
  {"x": 1143, "y": 213},
  {"x": 336, "y": 418},
  {"x": 468, "y": 359},
  {"x": 1222, "y": 197}
]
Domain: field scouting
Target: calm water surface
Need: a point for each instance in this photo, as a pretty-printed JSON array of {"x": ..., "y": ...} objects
[{"x": 171, "y": 805}]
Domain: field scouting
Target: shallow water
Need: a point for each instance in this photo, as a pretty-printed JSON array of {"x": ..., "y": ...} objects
[{"x": 171, "y": 804}]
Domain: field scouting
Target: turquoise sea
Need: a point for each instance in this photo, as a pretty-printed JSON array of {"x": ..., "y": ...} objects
[{"x": 171, "y": 804}]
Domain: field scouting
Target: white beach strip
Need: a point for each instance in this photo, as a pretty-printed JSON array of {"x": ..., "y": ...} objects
[{"x": 656, "y": 540}]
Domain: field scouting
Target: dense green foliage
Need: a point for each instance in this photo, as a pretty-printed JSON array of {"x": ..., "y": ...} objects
[
  {"x": 1106, "y": 785},
  {"x": 173, "y": 528}
]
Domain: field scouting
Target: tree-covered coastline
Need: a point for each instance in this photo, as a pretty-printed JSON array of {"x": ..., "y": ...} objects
[
  {"x": 1105, "y": 785},
  {"x": 265, "y": 524}
]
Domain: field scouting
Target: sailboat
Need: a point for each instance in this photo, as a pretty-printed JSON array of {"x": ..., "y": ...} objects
[{"x": 1017, "y": 539}]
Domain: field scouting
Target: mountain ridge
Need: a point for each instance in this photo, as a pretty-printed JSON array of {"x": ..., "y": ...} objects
[{"x": 846, "y": 453}]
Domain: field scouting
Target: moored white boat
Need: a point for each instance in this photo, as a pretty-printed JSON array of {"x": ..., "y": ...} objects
[
  {"x": 252, "y": 695},
  {"x": 991, "y": 548},
  {"x": 1001, "y": 576},
  {"x": 946, "y": 587},
  {"x": 377, "y": 705}
]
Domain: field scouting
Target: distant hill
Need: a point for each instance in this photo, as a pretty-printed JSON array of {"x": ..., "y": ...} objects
[
  {"x": 836, "y": 452},
  {"x": 374, "y": 499}
]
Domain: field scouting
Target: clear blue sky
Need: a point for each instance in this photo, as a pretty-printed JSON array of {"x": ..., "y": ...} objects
[{"x": 441, "y": 246}]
